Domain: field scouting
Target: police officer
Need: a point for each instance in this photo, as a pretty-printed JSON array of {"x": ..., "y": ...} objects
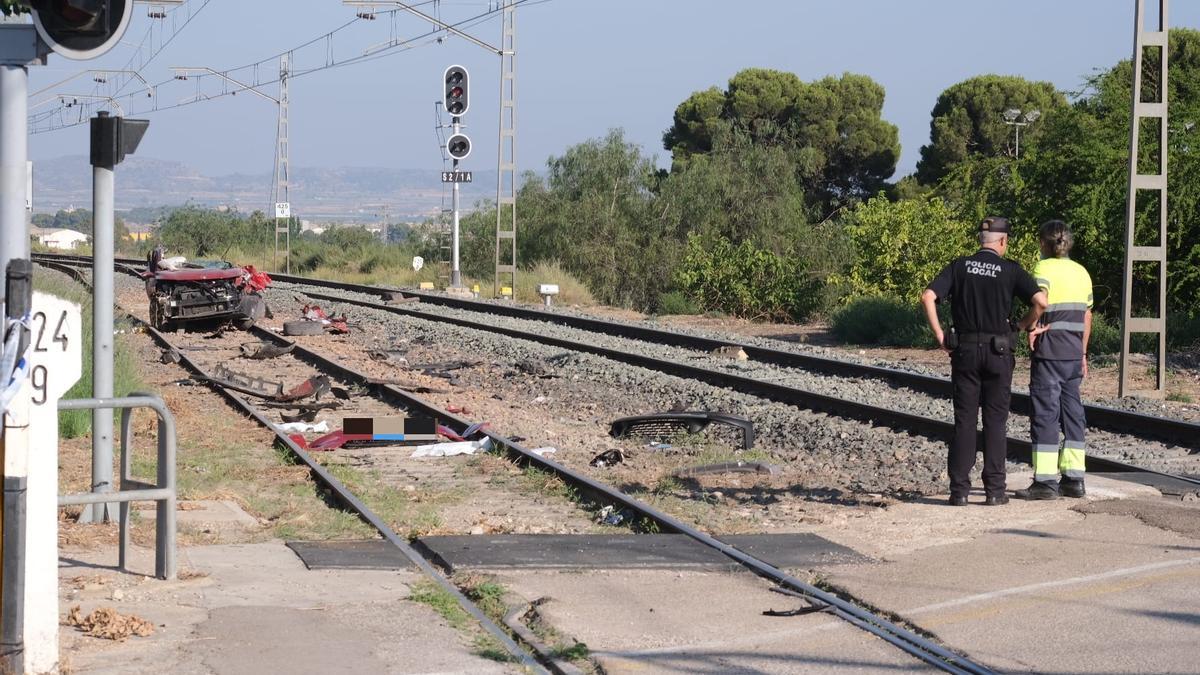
[
  {"x": 981, "y": 288},
  {"x": 1058, "y": 367}
]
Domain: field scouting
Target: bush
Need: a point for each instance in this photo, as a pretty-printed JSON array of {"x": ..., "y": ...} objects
[
  {"x": 899, "y": 247},
  {"x": 1106, "y": 336},
  {"x": 881, "y": 321},
  {"x": 747, "y": 282},
  {"x": 676, "y": 302}
]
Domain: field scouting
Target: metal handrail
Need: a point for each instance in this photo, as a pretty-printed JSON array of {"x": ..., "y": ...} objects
[{"x": 162, "y": 492}]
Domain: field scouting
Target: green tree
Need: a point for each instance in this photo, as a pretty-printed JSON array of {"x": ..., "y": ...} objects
[
  {"x": 967, "y": 120},
  {"x": 1080, "y": 168},
  {"x": 840, "y": 148},
  {"x": 746, "y": 281}
]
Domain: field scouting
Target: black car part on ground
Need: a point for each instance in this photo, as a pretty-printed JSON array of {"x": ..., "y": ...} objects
[{"x": 663, "y": 425}]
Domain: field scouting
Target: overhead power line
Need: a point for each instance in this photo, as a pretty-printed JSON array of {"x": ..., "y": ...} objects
[{"x": 251, "y": 73}]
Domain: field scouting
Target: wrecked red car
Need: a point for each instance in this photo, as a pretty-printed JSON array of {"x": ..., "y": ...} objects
[{"x": 181, "y": 290}]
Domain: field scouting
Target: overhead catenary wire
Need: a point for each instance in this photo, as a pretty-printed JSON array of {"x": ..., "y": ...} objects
[{"x": 41, "y": 123}]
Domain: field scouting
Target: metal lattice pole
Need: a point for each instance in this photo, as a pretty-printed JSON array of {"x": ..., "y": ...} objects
[
  {"x": 1150, "y": 182},
  {"x": 282, "y": 204},
  {"x": 506, "y": 162}
]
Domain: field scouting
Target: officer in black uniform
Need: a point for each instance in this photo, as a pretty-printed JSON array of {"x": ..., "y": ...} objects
[{"x": 981, "y": 288}]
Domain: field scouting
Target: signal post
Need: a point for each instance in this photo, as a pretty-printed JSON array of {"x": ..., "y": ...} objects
[{"x": 458, "y": 146}]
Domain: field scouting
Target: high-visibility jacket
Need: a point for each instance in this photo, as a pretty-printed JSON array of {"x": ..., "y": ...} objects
[{"x": 1068, "y": 288}]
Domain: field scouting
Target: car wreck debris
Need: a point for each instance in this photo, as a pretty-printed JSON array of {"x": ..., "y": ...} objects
[
  {"x": 180, "y": 290},
  {"x": 313, "y": 387},
  {"x": 265, "y": 350},
  {"x": 608, "y": 458},
  {"x": 664, "y": 425}
]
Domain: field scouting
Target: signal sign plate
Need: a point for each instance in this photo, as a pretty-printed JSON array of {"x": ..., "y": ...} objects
[
  {"x": 283, "y": 210},
  {"x": 456, "y": 176}
]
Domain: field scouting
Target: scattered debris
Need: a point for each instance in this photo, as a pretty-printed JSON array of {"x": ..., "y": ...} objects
[
  {"x": 396, "y": 297},
  {"x": 728, "y": 467},
  {"x": 259, "y": 351},
  {"x": 300, "y": 416},
  {"x": 1191, "y": 496},
  {"x": 731, "y": 352},
  {"x": 458, "y": 410},
  {"x": 395, "y": 356},
  {"x": 813, "y": 606},
  {"x": 468, "y": 433},
  {"x": 304, "y": 427},
  {"x": 108, "y": 624},
  {"x": 609, "y": 515},
  {"x": 453, "y": 448},
  {"x": 310, "y": 405},
  {"x": 535, "y": 368},
  {"x": 303, "y": 327},
  {"x": 541, "y": 399},
  {"x": 608, "y": 458},
  {"x": 542, "y": 452},
  {"x": 407, "y": 385},
  {"x": 333, "y": 324},
  {"x": 663, "y": 425},
  {"x": 656, "y": 445},
  {"x": 256, "y": 386},
  {"x": 170, "y": 356}
]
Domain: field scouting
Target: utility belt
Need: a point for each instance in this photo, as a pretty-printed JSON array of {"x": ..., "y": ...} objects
[{"x": 1001, "y": 343}]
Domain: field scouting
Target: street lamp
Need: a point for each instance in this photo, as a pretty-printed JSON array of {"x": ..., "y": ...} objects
[{"x": 1014, "y": 118}]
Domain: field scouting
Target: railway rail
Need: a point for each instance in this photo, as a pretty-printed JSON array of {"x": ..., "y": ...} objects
[
  {"x": 903, "y": 638},
  {"x": 1138, "y": 425}
]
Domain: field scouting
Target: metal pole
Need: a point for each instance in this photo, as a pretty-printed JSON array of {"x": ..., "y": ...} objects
[
  {"x": 455, "y": 272},
  {"x": 18, "y": 293},
  {"x": 14, "y": 151},
  {"x": 102, "y": 340},
  {"x": 1018, "y": 149}
]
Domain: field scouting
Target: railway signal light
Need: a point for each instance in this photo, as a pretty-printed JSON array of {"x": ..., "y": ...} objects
[
  {"x": 456, "y": 90},
  {"x": 81, "y": 29},
  {"x": 459, "y": 146}
]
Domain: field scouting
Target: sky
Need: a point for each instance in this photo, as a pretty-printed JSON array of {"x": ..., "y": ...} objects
[{"x": 583, "y": 67}]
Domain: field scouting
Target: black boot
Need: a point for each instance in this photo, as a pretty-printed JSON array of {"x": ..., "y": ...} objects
[
  {"x": 1037, "y": 490},
  {"x": 1070, "y": 487}
]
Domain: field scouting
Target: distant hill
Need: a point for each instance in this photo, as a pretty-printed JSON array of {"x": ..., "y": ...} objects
[{"x": 342, "y": 194}]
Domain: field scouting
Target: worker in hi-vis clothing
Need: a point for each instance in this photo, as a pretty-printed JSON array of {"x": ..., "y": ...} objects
[{"x": 1059, "y": 364}]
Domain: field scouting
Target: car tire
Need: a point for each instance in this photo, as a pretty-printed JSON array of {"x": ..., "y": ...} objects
[{"x": 302, "y": 327}]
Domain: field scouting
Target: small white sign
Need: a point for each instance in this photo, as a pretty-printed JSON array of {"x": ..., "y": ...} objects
[
  {"x": 418, "y": 263},
  {"x": 55, "y": 358},
  {"x": 55, "y": 352},
  {"x": 283, "y": 209}
]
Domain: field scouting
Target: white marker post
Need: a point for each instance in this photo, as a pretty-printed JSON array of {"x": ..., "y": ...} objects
[{"x": 55, "y": 358}]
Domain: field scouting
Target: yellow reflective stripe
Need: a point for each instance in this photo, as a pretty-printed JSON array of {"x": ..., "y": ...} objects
[
  {"x": 1045, "y": 464},
  {"x": 1072, "y": 461},
  {"x": 1067, "y": 307}
]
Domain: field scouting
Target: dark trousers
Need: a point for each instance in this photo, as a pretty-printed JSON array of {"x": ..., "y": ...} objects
[
  {"x": 1054, "y": 388},
  {"x": 981, "y": 377}
]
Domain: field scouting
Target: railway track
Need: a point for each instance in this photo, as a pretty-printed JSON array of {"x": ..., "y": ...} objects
[
  {"x": 1183, "y": 434},
  {"x": 1019, "y": 449},
  {"x": 373, "y": 395}
]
